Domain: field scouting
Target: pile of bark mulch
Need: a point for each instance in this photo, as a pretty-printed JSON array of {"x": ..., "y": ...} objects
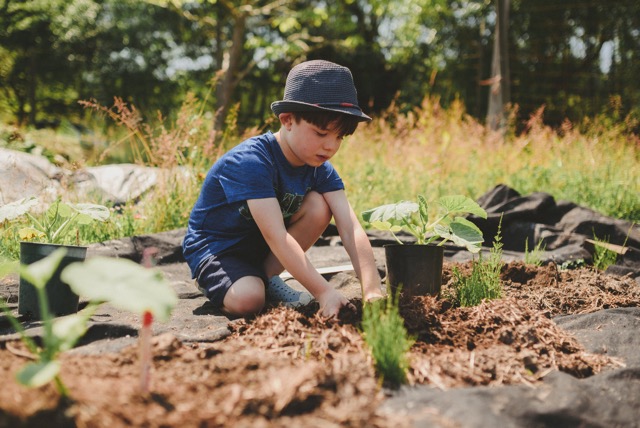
[
  {"x": 291, "y": 367},
  {"x": 512, "y": 340},
  {"x": 567, "y": 292}
]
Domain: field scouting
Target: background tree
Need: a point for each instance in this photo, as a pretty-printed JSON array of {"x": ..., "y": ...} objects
[{"x": 576, "y": 59}]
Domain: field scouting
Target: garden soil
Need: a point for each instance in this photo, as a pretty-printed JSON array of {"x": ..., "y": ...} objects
[{"x": 506, "y": 362}]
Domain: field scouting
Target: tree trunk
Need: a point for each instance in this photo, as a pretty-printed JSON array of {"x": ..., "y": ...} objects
[
  {"x": 499, "y": 86},
  {"x": 229, "y": 80}
]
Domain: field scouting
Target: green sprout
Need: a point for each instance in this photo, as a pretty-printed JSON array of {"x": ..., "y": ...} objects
[{"x": 122, "y": 283}]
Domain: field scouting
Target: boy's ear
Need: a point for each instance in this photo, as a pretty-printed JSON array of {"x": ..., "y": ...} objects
[{"x": 285, "y": 119}]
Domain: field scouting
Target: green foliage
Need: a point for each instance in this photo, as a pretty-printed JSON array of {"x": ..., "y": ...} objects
[
  {"x": 119, "y": 282},
  {"x": 483, "y": 283},
  {"x": 534, "y": 257},
  {"x": 387, "y": 338},
  {"x": 56, "y": 224},
  {"x": 58, "y": 335},
  {"x": 572, "y": 264},
  {"x": 414, "y": 217},
  {"x": 603, "y": 257}
]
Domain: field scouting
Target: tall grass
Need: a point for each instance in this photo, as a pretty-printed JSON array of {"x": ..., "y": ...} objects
[
  {"x": 182, "y": 150},
  {"x": 436, "y": 152},
  {"x": 431, "y": 151}
]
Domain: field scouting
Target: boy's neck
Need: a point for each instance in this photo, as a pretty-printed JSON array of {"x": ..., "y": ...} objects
[{"x": 286, "y": 150}]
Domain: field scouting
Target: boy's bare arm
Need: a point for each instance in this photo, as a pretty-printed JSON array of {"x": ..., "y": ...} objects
[
  {"x": 267, "y": 215},
  {"x": 356, "y": 242}
]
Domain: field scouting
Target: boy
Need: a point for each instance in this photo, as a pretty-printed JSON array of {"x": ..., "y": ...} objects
[{"x": 265, "y": 202}]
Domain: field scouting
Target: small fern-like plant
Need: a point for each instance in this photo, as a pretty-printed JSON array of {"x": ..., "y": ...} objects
[
  {"x": 483, "y": 283},
  {"x": 387, "y": 338},
  {"x": 534, "y": 257}
]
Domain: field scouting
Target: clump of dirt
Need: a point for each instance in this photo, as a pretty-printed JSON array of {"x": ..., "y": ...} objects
[{"x": 291, "y": 367}]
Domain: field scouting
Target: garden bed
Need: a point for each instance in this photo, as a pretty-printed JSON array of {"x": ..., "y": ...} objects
[{"x": 290, "y": 368}]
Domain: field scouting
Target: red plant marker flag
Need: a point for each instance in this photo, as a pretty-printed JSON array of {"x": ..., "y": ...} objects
[{"x": 145, "y": 352}]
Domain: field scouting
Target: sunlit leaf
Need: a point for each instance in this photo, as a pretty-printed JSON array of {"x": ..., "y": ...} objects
[
  {"x": 462, "y": 233},
  {"x": 38, "y": 373},
  {"x": 68, "y": 330},
  {"x": 124, "y": 284},
  {"x": 90, "y": 212},
  {"x": 15, "y": 209},
  {"x": 460, "y": 204},
  {"x": 391, "y": 213}
]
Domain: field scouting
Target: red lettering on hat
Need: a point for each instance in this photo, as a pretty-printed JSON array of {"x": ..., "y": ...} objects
[{"x": 346, "y": 104}]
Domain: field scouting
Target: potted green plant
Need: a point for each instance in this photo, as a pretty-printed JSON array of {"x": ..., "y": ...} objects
[
  {"x": 41, "y": 234},
  {"x": 417, "y": 268}
]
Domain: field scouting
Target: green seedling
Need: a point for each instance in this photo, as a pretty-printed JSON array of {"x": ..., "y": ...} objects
[
  {"x": 534, "y": 257},
  {"x": 122, "y": 283},
  {"x": 387, "y": 338},
  {"x": 447, "y": 225},
  {"x": 484, "y": 281},
  {"x": 129, "y": 286},
  {"x": 56, "y": 224},
  {"x": 58, "y": 335}
]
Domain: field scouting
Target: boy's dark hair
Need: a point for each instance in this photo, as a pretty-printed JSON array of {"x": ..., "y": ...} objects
[{"x": 343, "y": 124}]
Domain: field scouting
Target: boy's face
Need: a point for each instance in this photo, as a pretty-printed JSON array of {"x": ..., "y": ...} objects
[{"x": 308, "y": 144}]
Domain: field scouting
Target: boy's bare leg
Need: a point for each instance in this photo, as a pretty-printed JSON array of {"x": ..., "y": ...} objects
[
  {"x": 245, "y": 297},
  {"x": 306, "y": 226}
]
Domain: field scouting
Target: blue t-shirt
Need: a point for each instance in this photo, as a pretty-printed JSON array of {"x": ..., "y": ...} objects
[{"x": 220, "y": 221}]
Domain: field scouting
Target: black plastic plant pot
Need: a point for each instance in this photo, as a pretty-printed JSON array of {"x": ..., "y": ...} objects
[
  {"x": 417, "y": 269},
  {"x": 62, "y": 301}
]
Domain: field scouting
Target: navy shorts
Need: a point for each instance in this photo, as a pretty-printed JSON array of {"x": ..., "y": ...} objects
[{"x": 218, "y": 273}]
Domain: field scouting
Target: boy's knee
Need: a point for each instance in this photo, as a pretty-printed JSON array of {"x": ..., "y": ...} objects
[
  {"x": 244, "y": 299},
  {"x": 314, "y": 205}
]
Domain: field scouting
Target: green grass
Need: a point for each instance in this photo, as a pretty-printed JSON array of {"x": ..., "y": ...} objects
[
  {"x": 437, "y": 152},
  {"x": 603, "y": 257}
]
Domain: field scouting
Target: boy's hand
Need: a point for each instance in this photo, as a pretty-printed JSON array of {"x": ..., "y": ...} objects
[
  {"x": 330, "y": 303},
  {"x": 373, "y": 295}
]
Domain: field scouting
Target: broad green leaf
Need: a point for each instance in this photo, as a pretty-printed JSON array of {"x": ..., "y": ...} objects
[
  {"x": 38, "y": 373},
  {"x": 59, "y": 209},
  {"x": 15, "y": 209},
  {"x": 385, "y": 225},
  {"x": 463, "y": 233},
  {"x": 124, "y": 284},
  {"x": 423, "y": 208},
  {"x": 68, "y": 330},
  {"x": 460, "y": 204},
  {"x": 392, "y": 213},
  {"x": 38, "y": 273},
  {"x": 90, "y": 212}
]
